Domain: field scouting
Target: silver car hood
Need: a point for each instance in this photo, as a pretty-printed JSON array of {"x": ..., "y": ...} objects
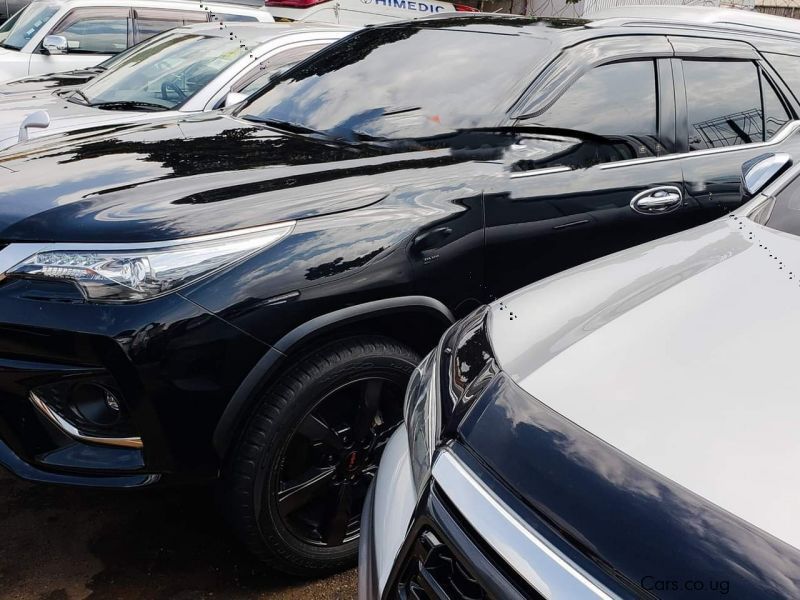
[
  {"x": 683, "y": 354},
  {"x": 64, "y": 116}
]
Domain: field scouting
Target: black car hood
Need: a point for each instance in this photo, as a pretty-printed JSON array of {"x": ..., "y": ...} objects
[
  {"x": 640, "y": 529},
  {"x": 180, "y": 178}
]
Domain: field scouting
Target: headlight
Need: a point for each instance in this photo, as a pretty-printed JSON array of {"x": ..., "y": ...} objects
[
  {"x": 443, "y": 388},
  {"x": 136, "y": 272},
  {"x": 422, "y": 417}
]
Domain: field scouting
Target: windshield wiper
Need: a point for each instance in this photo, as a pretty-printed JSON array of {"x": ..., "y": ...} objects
[{"x": 129, "y": 105}]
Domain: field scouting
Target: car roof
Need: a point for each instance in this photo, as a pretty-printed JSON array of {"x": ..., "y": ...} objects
[
  {"x": 256, "y": 33},
  {"x": 701, "y": 16},
  {"x": 634, "y": 20},
  {"x": 178, "y": 4}
]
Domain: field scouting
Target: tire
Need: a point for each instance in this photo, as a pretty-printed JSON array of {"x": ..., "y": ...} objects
[{"x": 297, "y": 479}]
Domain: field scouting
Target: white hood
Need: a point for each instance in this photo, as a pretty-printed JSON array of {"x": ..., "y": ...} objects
[
  {"x": 683, "y": 353},
  {"x": 64, "y": 116}
]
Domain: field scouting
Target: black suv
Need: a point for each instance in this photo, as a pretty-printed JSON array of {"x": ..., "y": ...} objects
[{"x": 244, "y": 295}]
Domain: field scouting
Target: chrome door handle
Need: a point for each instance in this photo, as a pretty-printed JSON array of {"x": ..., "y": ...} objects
[{"x": 657, "y": 201}]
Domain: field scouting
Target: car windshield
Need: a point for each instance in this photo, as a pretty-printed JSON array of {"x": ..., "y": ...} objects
[
  {"x": 20, "y": 29},
  {"x": 407, "y": 81},
  {"x": 163, "y": 73},
  {"x": 784, "y": 212}
]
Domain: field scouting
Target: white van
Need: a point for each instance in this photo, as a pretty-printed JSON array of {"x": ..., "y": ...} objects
[
  {"x": 50, "y": 36},
  {"x": 357, "y": 13}
]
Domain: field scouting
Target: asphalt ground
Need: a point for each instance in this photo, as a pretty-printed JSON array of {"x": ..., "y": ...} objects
[{"x": 70, "y": 544}]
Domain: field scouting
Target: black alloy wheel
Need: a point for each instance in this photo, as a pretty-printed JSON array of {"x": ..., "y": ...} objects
[
  {"x": 296, "y": 484},
  {"x": 332, "y": 458}
]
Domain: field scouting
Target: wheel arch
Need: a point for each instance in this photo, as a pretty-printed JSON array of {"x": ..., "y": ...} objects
[{"x": 430, "y": 317}]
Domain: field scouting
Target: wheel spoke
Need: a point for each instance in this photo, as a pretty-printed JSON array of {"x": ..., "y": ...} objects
[
  {"x": 367, "y": 408},
  {"x": 299, "y": 492},
  {"x": 335, "y": 528},
  {"x": 312, "y": 428}
]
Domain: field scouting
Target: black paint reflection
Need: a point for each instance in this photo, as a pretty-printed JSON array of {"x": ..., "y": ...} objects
[
  {"x": 402, "y": 90},
  {"x": 616, "y": 511}
]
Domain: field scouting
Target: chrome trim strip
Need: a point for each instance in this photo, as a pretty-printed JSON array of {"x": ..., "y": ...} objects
[
  {"x": 73, "y": 432},
  {"x": 779, "y": 137},
  {"x": 535, "y": 172},
  {"x": 536, "y": 561}
]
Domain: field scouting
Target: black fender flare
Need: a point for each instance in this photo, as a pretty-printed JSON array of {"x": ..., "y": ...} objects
[{"x": 240, "y": 402}]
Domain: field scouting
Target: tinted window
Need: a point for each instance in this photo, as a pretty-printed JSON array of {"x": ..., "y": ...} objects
[
  {"x": 150, "y": 22},
  {"x": 95, "y": 30},
  {"x": 775, "y": 113},
  {"x": 227, "y": 17},
  {"x": 615, "y": 99},
  {"x": 788, "y": 67},
  {"x": 618, "y": 101},
  {"x": 406, "y": 81},
  {"x": 725, "y": 104},
  {"x": 259, "y": 75},
  {"x": 785, "y": 215}
]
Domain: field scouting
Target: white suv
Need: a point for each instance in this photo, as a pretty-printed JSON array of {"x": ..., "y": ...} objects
[{"x": 60, "y": 35}]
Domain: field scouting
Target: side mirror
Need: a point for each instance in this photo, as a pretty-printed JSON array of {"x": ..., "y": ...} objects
[
  {"x": 38, "y": 120},
  {"x": 759, "y": 172},
  {"x": 234, "y": 98},
  {"x": 55, "y": 44}
]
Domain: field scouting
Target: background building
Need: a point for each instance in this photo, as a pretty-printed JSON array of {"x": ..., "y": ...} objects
[{"x": 583, "y": 8}]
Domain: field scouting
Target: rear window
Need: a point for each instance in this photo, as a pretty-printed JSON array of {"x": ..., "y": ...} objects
[
  {"x": 788, "y": 67},
  {"x": 730, "y": 103}
]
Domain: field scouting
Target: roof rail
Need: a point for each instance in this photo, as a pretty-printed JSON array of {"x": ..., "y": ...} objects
[{"x": 694, "y": 15}]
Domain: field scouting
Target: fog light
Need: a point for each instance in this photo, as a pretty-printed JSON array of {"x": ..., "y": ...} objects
[
  {"x": 96, "y": 404},
  {"x": 112, "y": 402}
]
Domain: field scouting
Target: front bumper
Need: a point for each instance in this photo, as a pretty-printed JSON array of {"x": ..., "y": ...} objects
[
  {"x": 386, "y": 516},
  {"x": 173, "y": 365},
  {"x": 465, "y": 541}
]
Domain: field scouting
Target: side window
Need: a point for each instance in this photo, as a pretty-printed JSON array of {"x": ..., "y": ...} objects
[
  {"x": 775, "y": 113},
  {"x": 152, "y": 21},
  {"x": 258, "y": 76},
  {"x": 224, "y": 17},
  {"x": 788, "y": 67},
  {"x": 726, "y": 104},
  {"x": 95, "y": 30},
  {"x": 617, "y": 100}
]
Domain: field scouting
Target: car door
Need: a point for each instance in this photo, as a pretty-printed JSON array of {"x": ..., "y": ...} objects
[
  {"x": 594, "y": 170},
  {"x": 733, "y": 108},
  {"x": 93, "y": 35}
]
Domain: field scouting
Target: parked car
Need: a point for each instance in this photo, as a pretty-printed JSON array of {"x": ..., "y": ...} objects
[
  {"x": 189, "y": 69},
  {"x": 50, "y": 36},
  {"x": 64, "y": 80},
  {"x": 245, "y": 294},
  {"x": 590, "y": 436},
  {"x": 357, "y": 13},
  {"x": 9, "y": 7}
]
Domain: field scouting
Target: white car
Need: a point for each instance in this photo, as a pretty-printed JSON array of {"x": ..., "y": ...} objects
[
  {"x": 50, "y": 36},
  {"x": 186, "y": 70},
  {"x": 358, "y": 13},
  {"x": 623, "y": 429}
]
